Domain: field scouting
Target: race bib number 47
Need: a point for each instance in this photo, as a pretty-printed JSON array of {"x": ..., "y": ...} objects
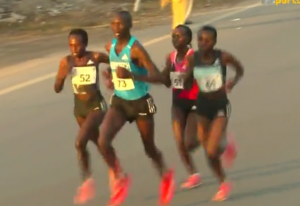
[{"x": 176, "y": 80}]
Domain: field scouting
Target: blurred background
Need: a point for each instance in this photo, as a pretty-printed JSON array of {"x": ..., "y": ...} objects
[{"x": 42, "y": 17}]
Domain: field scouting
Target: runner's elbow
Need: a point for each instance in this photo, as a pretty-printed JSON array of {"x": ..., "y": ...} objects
[{"x": 57, "y": 88}]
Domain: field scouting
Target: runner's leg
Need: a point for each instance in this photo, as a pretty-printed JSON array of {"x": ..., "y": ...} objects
[
  {"x": 114, "y": 120},
  {"x": 146, "y": 128},
  {"x": 217, "y": 132},
  {"x": 191, "y": 140},
  {"x": 88, "y": 127},
  {"x": 216, "y": 135},
  {"x": 179, "y": 119}
]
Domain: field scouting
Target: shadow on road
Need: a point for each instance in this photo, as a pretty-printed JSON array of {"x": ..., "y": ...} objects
[{"x": 251, "y": 173}]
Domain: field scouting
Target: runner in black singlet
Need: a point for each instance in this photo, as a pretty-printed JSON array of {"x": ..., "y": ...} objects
[
  {"x": 184, "y": 101},
  {"x": 213, "y": 107},
  {"x": 131, "y": 69},
  {"x": 90, "y": 106}
]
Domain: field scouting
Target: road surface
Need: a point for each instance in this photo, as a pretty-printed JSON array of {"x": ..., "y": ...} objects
[{"x": 37, "y": 155}]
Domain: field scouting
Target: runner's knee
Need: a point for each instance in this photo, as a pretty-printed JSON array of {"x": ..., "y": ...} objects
[
  {"x": 150, "y": 149},
  {"x": 212, "y": 152},
  {"x": 104, "y": 140},
  {"x": 82, "y": 139},
  {"x": 191, "y": 143},
  {"x": 80, "y": 145},
  {"x": 212, "y": 160}
]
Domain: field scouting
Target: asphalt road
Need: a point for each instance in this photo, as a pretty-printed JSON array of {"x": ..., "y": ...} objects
[{"x": 37, "y": 155}]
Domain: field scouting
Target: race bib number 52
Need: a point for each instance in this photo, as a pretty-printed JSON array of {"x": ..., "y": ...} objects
[{"x": 83, "y": 76}]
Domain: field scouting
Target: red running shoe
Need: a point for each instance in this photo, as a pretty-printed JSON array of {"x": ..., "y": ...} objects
[
  {"x": 167, "y": 188},
  {"x": 120, "y": 190}
]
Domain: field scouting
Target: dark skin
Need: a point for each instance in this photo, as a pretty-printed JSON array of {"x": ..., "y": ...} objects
[
  {"x": 183, "y": 125},
  {"x": 89, "y": 124},
  {"x": 115, "y": 119},
  {"x": 212, "y": 132},
  {"x": 140, "y": 57},
  {"x": 80, "y": 57}
]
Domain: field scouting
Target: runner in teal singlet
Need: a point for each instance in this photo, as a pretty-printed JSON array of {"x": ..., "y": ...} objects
[{"x": 131, "y": 67}]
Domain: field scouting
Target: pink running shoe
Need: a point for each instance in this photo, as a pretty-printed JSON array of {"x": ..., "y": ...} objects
[
  {"x": 85, "y": 193},
  {"x": 111, "y": 176},
  {"x": 193, "y": 181},
  {"x": 167, "y": 188},
  {"x": 119, "y": 191},
  {"x": 223, "y": 192},
  {"x": 230, "y": 152}
]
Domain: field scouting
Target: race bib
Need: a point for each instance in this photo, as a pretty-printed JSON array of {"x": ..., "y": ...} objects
[
  {"x": 122, "y": 84},
  {"x": 211, "y": 83},
  {"x": 209, "y": 79},
  {"x": 83, "y": 76},
  {"x": 176, "y": 80}
]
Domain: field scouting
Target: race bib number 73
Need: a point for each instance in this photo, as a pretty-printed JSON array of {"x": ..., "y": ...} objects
[{"x": 122, "y": 84}]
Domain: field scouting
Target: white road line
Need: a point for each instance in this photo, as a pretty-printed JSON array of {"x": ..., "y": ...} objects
[
  {"x": 148, "y": 43},
  {"x": 25, "y": 84}
]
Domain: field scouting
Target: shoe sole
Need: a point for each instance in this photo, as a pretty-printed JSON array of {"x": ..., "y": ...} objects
[{"x": 188, "y": 188}]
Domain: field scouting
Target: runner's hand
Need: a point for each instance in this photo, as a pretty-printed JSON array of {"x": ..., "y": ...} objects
[
  {"x": 123, "y": 73},
  {"x": 108, "y": 79},
  {"x": 229, "y": 85},
  {"x": 109, "y": 84},
  {"x": 106, "y": 74}
]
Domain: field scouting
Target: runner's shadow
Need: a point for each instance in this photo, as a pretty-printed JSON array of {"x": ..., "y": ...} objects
[
  {"x": 255, "y": 193},
  {"x": 248, "y": 173},
  {"x": 266, "y": 191}
]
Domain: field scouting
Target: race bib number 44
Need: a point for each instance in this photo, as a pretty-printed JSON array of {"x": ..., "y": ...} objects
[
  {"x": 176, "y": 80},
  {"x": 209, "y": 79},
  {"x": 211, "y": 83}
]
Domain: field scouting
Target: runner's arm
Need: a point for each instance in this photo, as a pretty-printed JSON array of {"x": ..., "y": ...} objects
[
  {"x": 235, "y": 64},
  {"x": 101, "y": 57},
  {"x": 166, "y": 71},
  {"x": 154, "y": 75},
  {"x": 107, "y": 47},
  {"x": 190, "y": 67},
  {"x": 61, "y": 75},
  {"x": 107, "y": 73}
]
